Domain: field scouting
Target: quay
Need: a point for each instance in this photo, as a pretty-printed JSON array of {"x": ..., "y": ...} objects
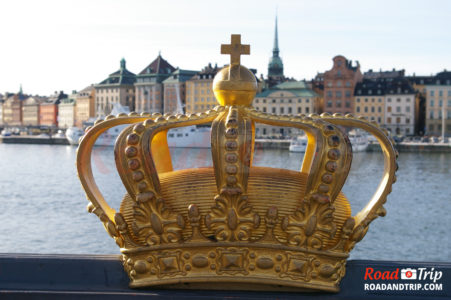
[
  {"x": 33, "y": 140},
  {"x": 40, "y": 276}
]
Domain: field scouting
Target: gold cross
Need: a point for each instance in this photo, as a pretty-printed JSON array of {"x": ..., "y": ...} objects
[{"x": 235, "y": 49}]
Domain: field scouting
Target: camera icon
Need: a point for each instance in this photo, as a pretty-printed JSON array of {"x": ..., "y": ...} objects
[{"x": 408, "y": 274}]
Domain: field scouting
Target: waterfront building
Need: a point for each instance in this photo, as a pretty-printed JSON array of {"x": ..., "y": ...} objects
[
  {"x": 175, "y": 91},
  {"x": 48, "y": 113},
  {"x": 275, "y": 65},
  {"x": 199, "y": 93},
  {"x": 388, "y": 101},
  {"x": 339, "y": 85},
  {"x": 149, "y": 87},
  {"x": 438, "y": 105},
  {"x": 399, "y": 107},
  {"x": 288, "y": 98},
  {"x": 31, "y": 110},
  {"x": 66, "y": 111},
  {"x": 85, "y": 105},
  {"x": 12, "y": 109},
  {"x": 117, "y": 88},
  {"x": 370, "y": 100}
]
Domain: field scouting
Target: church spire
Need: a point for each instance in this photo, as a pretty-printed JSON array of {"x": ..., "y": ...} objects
[
  {"x": 275, "y": 66},
  {"x": 275, "y": 50}
]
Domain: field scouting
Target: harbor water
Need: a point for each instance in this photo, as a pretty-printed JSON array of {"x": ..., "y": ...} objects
[{"x": 43, "y": 206}]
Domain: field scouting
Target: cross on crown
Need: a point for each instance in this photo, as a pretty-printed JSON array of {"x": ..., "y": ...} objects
[{"x": 235, "y": 49}]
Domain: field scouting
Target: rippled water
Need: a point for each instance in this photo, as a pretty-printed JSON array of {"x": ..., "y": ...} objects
[{"x": 43, "y": 207}]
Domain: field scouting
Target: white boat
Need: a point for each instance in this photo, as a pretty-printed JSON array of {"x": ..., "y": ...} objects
[
  {"x": 73, "y": 135},
  {"x": 359, "y": 140},
  {"x": 185, "y": 137},
  {"x": 298, "y": 144}
]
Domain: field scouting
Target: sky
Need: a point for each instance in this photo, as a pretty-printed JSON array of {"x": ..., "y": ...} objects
[{"x": 67, "y": 45}]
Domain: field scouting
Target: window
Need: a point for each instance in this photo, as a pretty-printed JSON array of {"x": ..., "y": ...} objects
[
  {"x": 299, "y": 100},
  {"x": 379, "y": 100},
  {"x": 264, "y": 100},
  {"x": 431, "y": 115},
  {"x": 338, "y": 103},
  {"x": 299, "y": 110},
  {"x": 398, "y": 109},
  {"x": 372, "y": 109},
  {"x": 348, "y": 84},
  {"x": 389, "y": 100},
  {"x": 431, "y": 103},
  {"x": 389, "y": 108},
  {"x": 339, "y": 83},
  {"x": 256, "y": 100},
  {"x": 379, "y": 109},
  {"x": 407, "y": 120},
  {"x": 440, "y": 103},
  {"x": 338, "y": 94},
  {"x": 398, "y": 99},
  {"x": 339, "y": 73},
  {"x": 307, "y": 110},
  {"x": 282, "y": 110},
  {"x": 366, "y": 99},
  {"x": 264, "y": 131},
  {"x": 366, "y": 109},
  {"x": 307, "y": 100},
  {"x": 398, "y": 120},
  {"x": 273, "y": 100},
  {"x": 408, "y": 109},
  {"x": 358, "y": 99},
  {"x": 378, "y": 119},
  {"x": 289, "y": 100},
  {"x": 440, "y": 93},
  {"x": 431, "y": 93},
  {"x": 388, "y": 120},
  {"x": 264, "y": 109},
  {"x": 347, "y": 104},
  {"x": 329, "y": 94},
  {"x": 329, "y": 103},
  {"x": 348, "y": 94},
  {"x": 273, "y": 110},
  {"x": 358, "y": 109},
  {"x": 289, "y": 110}
]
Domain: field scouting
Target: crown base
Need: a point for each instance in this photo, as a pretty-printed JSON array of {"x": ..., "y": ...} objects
[{"x": 235, "y": 266}]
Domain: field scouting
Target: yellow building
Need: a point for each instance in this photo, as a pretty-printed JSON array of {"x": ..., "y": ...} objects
[
  {"x": 370, "y": 100},
  {"x": 85, "y": 105},
  {"x": 438, "y": 105},
  {"x": 199, "y": 93}
]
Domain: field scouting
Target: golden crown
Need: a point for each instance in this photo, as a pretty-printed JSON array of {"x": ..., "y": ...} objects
[{"x": 234, "y": 225}]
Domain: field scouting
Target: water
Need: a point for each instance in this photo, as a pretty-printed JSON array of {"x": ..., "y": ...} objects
[{"x": 43, "y": 207}]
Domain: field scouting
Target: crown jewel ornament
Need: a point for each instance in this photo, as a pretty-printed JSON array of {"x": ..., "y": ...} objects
[{"x": 234, "y": 225}]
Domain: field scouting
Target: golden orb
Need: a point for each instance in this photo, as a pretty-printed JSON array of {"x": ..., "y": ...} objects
[{"x": 235, "y": 85}]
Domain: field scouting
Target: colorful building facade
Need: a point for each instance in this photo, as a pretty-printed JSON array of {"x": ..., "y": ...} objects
[{"x": 117, "y": 88}]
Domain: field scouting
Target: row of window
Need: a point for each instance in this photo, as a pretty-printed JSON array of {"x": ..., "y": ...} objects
[
  {"x": 338, "y": 94},
  {"x": 339, "y": 83},
  {"x": 202, "y": 99},
  {"x": 338, "y": 103},
  {"x": 281, "y": 100},
  {"x": 440, "y": 103},
  {"x": 438, "y": 115},
  {"x": 288, "y": 111},
  {"x": 440, "y": 93},
  {"x": 439, "y": 127},
  {"x": 398, "y": 120}
]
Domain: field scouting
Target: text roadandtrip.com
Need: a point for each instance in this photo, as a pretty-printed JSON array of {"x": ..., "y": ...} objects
[{"x": 407, "y": 274}]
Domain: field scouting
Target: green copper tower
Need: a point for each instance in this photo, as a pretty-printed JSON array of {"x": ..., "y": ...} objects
[{"x": 275, "y": 66}]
